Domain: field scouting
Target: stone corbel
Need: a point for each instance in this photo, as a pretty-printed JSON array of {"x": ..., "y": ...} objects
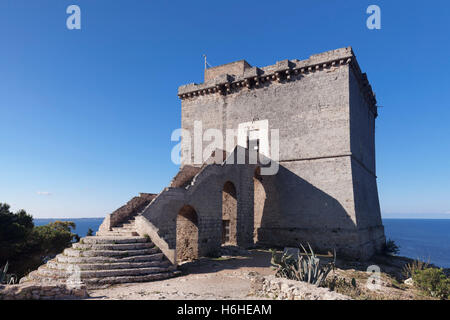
[
  {"x": 256, "y": 79},
  {"x": 288, "y": 74}
]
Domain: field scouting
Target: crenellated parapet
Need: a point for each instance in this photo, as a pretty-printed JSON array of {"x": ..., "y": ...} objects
[{"x": 240, "y": 75}]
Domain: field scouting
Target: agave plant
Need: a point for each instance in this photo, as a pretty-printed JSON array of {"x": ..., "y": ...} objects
[
  {"x": 3, "y": 273},
  {"x": 305, "y": 268},
  {"x": 6, "y": 278},
  {"x": 282, "y": 265}
]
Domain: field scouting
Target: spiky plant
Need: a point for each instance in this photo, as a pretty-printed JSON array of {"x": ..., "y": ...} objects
[
  {"x": 305, "y": 268},
  {"x": 391, "y": 248},
  {"x": 3, "y": 273},
  {"x": 6, "y": 278},
  {"x": 410, "y": 269}
]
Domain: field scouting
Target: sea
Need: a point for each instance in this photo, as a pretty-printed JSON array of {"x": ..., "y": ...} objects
[{"x": 424, "y": 239}]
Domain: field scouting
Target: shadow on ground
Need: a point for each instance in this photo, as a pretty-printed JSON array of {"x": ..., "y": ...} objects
[{"x": 259, "y": 259}]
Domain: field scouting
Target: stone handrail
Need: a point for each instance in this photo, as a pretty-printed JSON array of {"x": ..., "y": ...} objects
[
  {"x": 146, "y": 228},
  {"x": 153, "y": 220},
  {"x": 156, "y": 220},
  {"x": 131, "y": 208}
]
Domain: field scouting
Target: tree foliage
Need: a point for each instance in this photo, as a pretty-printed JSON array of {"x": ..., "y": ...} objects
[
  {"x": 14, "y": 226},
  {"x": 26, "y": 246},
  {"x": 54, "y": 237}
]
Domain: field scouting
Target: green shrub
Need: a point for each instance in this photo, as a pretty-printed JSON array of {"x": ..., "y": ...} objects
[
  {"x": 341, "y": 285},
  {"x": 390, "y": 247},
  {"x": 433, "y": 282},
  {"x": 90, "y": 232}
]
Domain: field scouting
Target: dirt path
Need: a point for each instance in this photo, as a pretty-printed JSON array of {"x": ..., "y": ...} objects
[{"x": 223, "y": 278}]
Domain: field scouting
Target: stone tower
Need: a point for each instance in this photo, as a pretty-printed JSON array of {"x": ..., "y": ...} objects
[{"x": 325, "y": 190}]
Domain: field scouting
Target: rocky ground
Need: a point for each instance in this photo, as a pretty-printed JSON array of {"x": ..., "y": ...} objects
[{"x": 230, "y": 277}]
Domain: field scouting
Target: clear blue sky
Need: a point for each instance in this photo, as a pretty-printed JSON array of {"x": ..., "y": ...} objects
[{"x": 86, "y": 115}]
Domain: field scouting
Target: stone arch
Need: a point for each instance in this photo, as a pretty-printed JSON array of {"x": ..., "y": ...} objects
[
  {"x": 229, "y": 214},
  {"x": 259, "y": 200},
  {"x": 187, "y": 234}
]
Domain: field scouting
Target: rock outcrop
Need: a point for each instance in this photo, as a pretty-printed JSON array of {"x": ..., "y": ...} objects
[{"x": 285, "y": 289}]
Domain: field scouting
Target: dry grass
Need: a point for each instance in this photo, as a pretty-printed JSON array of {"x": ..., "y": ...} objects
[
  {"x": 410, "y": 268},
  {"x": 353, "y": 283}
]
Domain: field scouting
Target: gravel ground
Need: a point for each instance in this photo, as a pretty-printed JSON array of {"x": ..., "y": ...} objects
[{"x": 224, "y": 278}]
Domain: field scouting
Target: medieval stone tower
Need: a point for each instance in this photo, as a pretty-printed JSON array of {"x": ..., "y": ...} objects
[
  {"x": 322, "y": 114},
  {"x": 325, "y": 190}
]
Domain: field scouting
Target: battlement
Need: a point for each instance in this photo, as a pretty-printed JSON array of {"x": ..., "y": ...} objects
[
  {"x": 235, "y": 69},
  {"x": 235, "y": 76}
]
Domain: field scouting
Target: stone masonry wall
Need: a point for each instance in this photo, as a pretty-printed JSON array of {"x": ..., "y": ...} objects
[
  {"x": 187, "y": 235},
  {"x": 229, "y": 210},
  {"x": 37, "y": 291},
  {"x": 205, "y": 196},
  {"x": 362, "y": 138},
  {"x": 309, "y": 195},
  {"x": 325, "y": 191},
  {"x": 312, "y": 113}
]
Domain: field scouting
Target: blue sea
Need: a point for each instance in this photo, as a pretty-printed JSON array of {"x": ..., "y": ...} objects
[{"x": 425, "y": 239}]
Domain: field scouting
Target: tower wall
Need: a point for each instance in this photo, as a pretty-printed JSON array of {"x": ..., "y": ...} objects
[
  {"x": 325, "y": 190},
  {"x": 362, "y": 141},
  {"x": 311, "y": 113}
]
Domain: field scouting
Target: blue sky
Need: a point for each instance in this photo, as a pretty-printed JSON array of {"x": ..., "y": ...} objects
[{"x": 86, "y": 115}]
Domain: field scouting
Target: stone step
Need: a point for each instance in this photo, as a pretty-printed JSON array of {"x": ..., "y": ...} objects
[
  {"x": 127, "y": 224},
  {"x": 108, "y": 253},
  {"x": 110, "y": 257},
  {"x": 123, "y": 229},
  {"x": 112, "y": 246},
  {"x": 56, "y": 274},
  {"x": 140, "y": 258},
  {"x": 113, "y": 239},
  {"x": 105, "y": 282},
  {"x": 120, "y": 233},
  {"x": 93, "y": 283},
  {"x": 108, "y": 266}
]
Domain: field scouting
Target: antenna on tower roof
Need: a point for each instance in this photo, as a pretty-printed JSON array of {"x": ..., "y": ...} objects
[{"x": 206, "y": 62}]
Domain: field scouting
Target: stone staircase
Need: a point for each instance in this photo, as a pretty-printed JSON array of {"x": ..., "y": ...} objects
[
  {"x": 115, "y": 256},
  {"x": 125, "y": 229}
]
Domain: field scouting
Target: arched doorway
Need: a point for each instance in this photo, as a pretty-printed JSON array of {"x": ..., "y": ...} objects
[
  {"x": 259, "y": 201},
  {"x": 229, "y": 214},
  {"x": 187, "y": 234}
]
